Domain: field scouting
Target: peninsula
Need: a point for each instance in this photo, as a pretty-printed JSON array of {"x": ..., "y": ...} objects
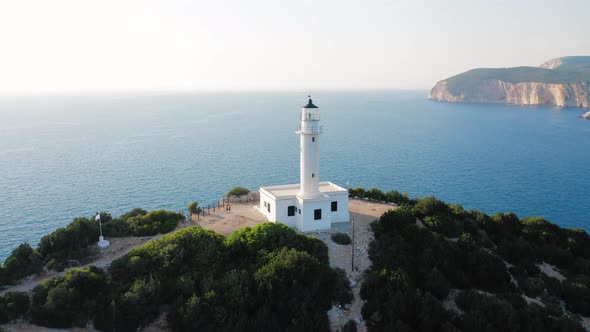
[{"x": 559, "y": 82}]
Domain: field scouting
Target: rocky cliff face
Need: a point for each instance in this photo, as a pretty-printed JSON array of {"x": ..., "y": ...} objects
[{"x": 524, "y": 93}]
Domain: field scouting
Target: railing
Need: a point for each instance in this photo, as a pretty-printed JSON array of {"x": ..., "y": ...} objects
[{"x": 310, "y": 130}]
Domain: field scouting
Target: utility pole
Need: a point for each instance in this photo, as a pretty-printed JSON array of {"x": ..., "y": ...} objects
[{"x": 352, "y": 245}]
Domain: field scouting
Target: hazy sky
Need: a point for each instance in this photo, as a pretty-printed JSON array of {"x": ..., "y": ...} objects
[{"x": 102, "y": 45}]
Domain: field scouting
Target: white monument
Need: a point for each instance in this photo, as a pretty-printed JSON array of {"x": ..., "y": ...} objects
[
  {"x": 310, "y": 205},
  {"x": 102, "y": 243}
]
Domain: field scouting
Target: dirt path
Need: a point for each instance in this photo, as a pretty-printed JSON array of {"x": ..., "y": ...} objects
[
  {"x": 225, "y": 222},
  {"x": 364, "y": 213}
]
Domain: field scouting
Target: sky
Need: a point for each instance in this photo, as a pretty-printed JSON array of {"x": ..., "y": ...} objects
[{"x": 169, "y": 45}]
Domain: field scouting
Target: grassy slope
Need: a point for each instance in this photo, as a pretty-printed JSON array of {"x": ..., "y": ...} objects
[{"x": 573, "y": 69}]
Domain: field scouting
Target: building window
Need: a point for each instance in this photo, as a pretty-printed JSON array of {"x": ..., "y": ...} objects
[
  {"x": 334, "y": 206},
  {"x": 264, "y": 203},
  {"x": 299, "y": 211},
  {"x": 290, "y": 211},
  {"x": 312, "y": 175},
  {"x": 313, "y": 139},
  {"x": 268, "y": 207},
  {"x": 317, "y": 214}
]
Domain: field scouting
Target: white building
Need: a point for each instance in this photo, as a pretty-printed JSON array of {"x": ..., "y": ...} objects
[{"x": 310, "y": 205}]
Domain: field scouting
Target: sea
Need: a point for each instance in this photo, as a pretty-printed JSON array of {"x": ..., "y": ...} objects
[{"x": 67, "y": 156}]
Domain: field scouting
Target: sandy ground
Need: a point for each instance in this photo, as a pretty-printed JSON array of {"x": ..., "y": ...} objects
[
  {"x": 363, "y": 213},
  {"x": 225, "y": 222}
]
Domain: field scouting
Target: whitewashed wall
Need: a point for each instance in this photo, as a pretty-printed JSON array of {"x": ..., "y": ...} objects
[{"x": 308, "y": 224}]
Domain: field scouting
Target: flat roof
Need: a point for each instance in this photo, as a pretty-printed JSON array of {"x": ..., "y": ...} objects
[{"x": 291, "y": 190}]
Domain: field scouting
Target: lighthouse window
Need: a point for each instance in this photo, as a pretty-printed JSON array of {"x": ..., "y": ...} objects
[
  {"x": 290, "y": 211},
  {"x": 313, "y": 139},
  {"x": 334, "y": 206},
  {"x": 317, "y": 214}
]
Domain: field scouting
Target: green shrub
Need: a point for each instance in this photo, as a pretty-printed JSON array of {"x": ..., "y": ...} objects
[
  {"x": 154, "y": 222},
  {"x": 350, "y": 326},
  {"x": 22, "y": 262},
  {"x": 137, "y": 212},
  {"x": 342, "y": 292},
  {"x": 238, "y": 191},
  {"x": 13, "y": 305},
  {"x": 357, "y": 192},
  {"x": 118, "y": 227},
  {"x": 429, "y": 206},
  {"x": 396, "y": 197},
  {"x": 55, "y": 265},
  {"x": 70, "y": 241},
  {"x": 375, "y": 194},
  {"x": 71, "y": 300},
  {"x": 341, "y": 238}
]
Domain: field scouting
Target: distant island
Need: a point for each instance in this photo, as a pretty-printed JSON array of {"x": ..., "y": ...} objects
[{"x": 559, "y": 82}]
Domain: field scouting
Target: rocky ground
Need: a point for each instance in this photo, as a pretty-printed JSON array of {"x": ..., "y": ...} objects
[{"x": 363, "y": 212}]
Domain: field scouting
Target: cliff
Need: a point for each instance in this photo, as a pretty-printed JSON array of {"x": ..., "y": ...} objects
[{"x": 558, "y": 82}]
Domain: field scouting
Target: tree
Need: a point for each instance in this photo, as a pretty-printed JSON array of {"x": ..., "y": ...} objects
[
  {"x": 193, "y": 208},
  {"x": 289, "y": 282},
  {"x": 238, "y": 191}
]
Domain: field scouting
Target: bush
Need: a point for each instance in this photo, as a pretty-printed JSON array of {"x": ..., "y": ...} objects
[
  {"x": 429, "y": 206},
  {"x": 375, "y": 194},
  {"x": 70, "y": 241},
  {"x": 291, "y": 305},
  {"x": 342, "y": 292},
  {"x": 71, "y": 300},
  {"x": 154, "y": 222},
  {"x": 397, "y": 197},
  {"x": 22, "y": 262},
  {"x": 118, "y": 227},
  {"x": 137, "y": 212},
  {"x": 341, "y": 238},
  {"x": 357, "y": 192},
  {"x": 13, "y": 305},
  {"x": 350, "y": 326},
  {"x": 55, "y": 265},
  {"x": 238, "y": 191}
]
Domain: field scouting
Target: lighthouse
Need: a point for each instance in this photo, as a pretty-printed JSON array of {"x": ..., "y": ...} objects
[
  {"x": 309, "y": 160},
  {"x": 311, "y": 204}
]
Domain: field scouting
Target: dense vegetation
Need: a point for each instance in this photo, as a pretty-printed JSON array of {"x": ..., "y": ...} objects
[
  {"x": 489, "y": 263},
  {"x": 267, "y": 278},
  {"x": 377, "y": 195},
  {"x": 67, "y": 245},
  {"x": 13, "y": 305},
  {"x": 238, "y": 191}
]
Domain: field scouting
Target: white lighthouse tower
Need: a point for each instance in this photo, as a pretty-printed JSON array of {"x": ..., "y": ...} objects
[
  {"x": 310, "y": 205},
  {"x": 309, "y": 160}
]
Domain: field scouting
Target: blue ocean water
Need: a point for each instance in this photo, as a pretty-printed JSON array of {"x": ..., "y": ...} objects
[{"x": 62, "y": 157}]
